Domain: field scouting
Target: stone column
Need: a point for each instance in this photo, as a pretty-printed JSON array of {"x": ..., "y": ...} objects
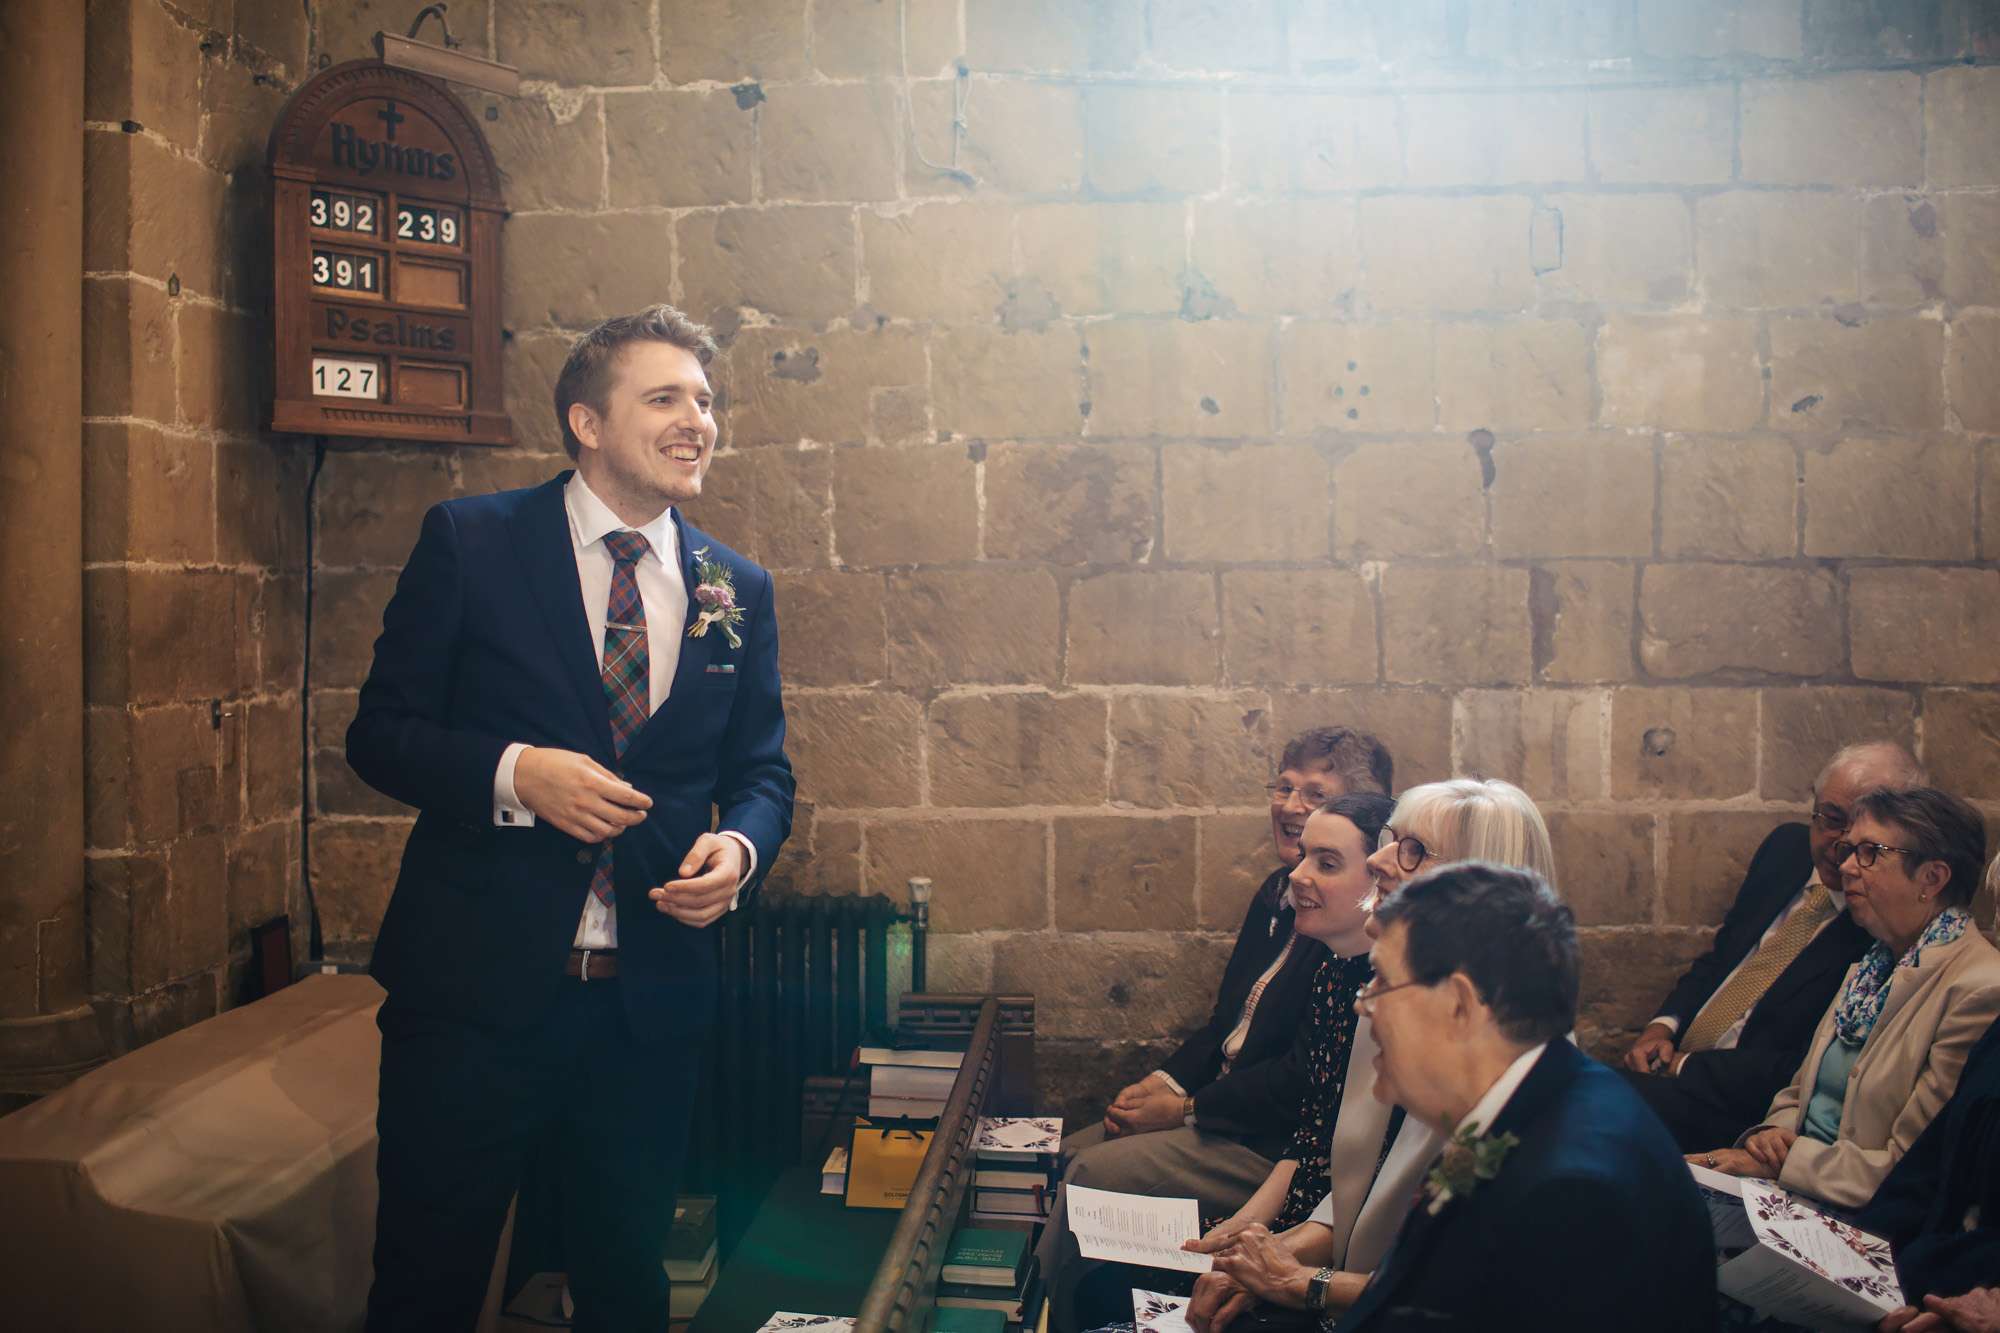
[{"x": 48, "y": 1032}]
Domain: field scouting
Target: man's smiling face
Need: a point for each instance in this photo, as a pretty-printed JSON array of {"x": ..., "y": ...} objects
[{"x": 652, "y": 444}]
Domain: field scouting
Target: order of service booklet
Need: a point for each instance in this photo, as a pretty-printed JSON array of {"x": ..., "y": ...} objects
[
  {"x": 1786, "y": 1258},
  {"x": 1136, "y": 1229}
]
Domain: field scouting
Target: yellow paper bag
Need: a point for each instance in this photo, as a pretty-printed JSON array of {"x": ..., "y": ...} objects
[{"x": 882, "y": 1165}]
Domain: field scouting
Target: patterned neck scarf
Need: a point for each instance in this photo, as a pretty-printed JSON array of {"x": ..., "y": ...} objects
[{"x": 1861, "y": 1004}]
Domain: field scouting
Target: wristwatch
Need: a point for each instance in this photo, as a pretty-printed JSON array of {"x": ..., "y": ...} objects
[{"x": 1316, "y": 1290}]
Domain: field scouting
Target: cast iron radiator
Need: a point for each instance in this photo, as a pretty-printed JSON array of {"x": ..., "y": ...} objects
[{"x": 804, "y": 981}]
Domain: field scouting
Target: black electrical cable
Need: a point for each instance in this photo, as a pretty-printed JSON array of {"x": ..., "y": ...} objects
[{"x": 315, "y": 946}]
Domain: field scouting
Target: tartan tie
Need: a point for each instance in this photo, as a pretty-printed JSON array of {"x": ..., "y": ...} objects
[
  {"x": 1759, "y": 970},
  {"x": 627, "y": 670}
]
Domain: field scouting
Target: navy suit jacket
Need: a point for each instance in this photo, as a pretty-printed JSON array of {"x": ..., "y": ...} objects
[
  {"x": 485, "y": 643},
  {"x": 1781, "y": 1026},
  {"x": 1591, "y": 1222}
]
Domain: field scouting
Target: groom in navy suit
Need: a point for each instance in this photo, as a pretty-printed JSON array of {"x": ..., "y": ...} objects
[
  {"x": 1560, "y": 1202},
  {"x": 578, "y": 692}
]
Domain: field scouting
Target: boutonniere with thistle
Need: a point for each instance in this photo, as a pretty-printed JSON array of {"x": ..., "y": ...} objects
[
  {"x": 715, "y": 594},
  {"x": 1469, "y": 1158}
]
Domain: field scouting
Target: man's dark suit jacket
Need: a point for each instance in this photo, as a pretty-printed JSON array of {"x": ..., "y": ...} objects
[
  {"x": 1952, "y": 1168},
  {"x": 1591, "y": 1223},
  {"x": 485, "y": 643},
  {"x": 1257, "y": 1101},
  {"x": 1719, "y": 1094}
]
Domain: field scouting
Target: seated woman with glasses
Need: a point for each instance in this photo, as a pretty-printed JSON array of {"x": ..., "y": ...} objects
[
  {"x": 1888, "y": 1053},
  {"x": 1327, "y": 891},
  {"x": 1281, "y": 1265},
  {"x": 1212, "y": 1118}
]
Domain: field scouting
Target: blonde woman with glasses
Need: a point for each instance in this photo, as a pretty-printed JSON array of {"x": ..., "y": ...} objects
[{"x": 1267, "y": 1280}]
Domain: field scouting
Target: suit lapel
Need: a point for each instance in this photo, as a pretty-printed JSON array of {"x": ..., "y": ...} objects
[
  {"x": 1830, "y": 951},
  {"x": 694, "y": 652},
  {"x": 541, "y": 527},
  {"x": 1551, "y": 1073}
]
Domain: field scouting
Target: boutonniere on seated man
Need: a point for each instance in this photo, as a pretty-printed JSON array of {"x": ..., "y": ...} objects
[
  {"x": 1545, "y": 1151},
  {"x": 715, "y": 594},
  {"x": 1469, "y": 1158}
]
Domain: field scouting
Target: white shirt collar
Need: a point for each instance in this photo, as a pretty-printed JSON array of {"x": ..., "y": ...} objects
[
  {"x": 1487, "y": 1109},
  {"x": 590, "y": 518}
]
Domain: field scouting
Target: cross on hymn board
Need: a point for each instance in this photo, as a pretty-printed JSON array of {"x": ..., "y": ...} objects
[{"x": 390, "y": 117}]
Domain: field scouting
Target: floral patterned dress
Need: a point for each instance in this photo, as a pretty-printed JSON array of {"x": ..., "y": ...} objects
[{"x": 1329, "y": 1041}]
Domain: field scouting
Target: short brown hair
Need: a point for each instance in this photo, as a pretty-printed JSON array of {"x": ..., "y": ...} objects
[
  {"x": 586, "y": 372},
  {"x": 1942, "y": 828},
  {"x": 1361, "y": 762}
]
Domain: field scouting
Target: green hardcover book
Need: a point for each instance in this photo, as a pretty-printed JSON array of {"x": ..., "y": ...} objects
[
  {"x": 968, "y": 1321},
  {"x": 694, "y": 1227},
  {"x": 985, "y": 1257}
]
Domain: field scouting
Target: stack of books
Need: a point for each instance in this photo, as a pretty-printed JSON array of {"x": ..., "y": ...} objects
[
  {"x": 690, "y": 1259},
  {"x": 908, "y": 1085},
  {"x": 1015, "y": 1173},
  {"x": 992, "y": 1269},
  {"x": 833, "y": 1172}
]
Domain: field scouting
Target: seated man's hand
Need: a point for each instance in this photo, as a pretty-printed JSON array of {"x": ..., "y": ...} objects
[
  {"x": 1261, "y": 1264},
  {"x": 1908, "y": 1319},
  {"x": 1218, "y": 1299},
  {"x": 1653, "y": 1053},
  {"x": 577, "y": 794},
  {"x": 1155, "y": 1107},
  {"x": 1731, "y": 1162}
]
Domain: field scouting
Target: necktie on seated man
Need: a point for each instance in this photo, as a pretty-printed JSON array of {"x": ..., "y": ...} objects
[
  {"x": 627, "y": 669},
  {"x": 1759, "y": 970}
]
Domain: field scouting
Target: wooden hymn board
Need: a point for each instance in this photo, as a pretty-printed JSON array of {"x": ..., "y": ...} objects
[{"x": 386, "y": 215}]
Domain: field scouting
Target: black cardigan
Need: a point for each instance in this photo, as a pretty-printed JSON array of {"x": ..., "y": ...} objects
[{"x": 1257, "y": 1101}]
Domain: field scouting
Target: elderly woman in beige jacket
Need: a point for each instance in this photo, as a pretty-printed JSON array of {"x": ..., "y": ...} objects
[{"x": 1887, "y": 1055}]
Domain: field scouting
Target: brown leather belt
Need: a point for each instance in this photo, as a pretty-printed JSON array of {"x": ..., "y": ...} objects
[{"x": 592, "y": 964}]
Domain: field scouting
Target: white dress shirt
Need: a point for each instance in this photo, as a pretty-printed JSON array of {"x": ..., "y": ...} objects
[
  {"x": 664, "y": 594},
  {"x": 1727, "y": 1041}
]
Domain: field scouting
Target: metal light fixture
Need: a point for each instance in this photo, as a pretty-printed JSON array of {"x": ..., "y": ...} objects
[{"x": 447, "y": 61}]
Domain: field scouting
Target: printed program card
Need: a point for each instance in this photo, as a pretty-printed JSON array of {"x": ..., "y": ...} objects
[
  {"x": 1135, "y": 1228},
  {"x": 1025, "y": 1136}
]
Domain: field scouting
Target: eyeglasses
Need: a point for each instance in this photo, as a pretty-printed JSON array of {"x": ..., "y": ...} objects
[
  {"x": 1833, "y": 821},
  {"x": 1410, "y": 851},
  {"x": 1864, "y": 853},
  {"x": 1366, "y": 998},
  {"x": 1283, "y": 792}
]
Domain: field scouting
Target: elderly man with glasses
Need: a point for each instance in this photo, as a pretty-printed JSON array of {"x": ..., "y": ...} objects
[{"x": 1732, "y": 1031}]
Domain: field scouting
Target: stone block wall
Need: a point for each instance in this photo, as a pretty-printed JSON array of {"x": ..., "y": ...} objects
[
  {"x": 194, "y": 570},
  {"x": 1593, "y": 393}
]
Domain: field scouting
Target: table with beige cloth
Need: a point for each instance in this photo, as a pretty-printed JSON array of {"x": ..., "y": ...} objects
[{"x": 219, "y": 1179}]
